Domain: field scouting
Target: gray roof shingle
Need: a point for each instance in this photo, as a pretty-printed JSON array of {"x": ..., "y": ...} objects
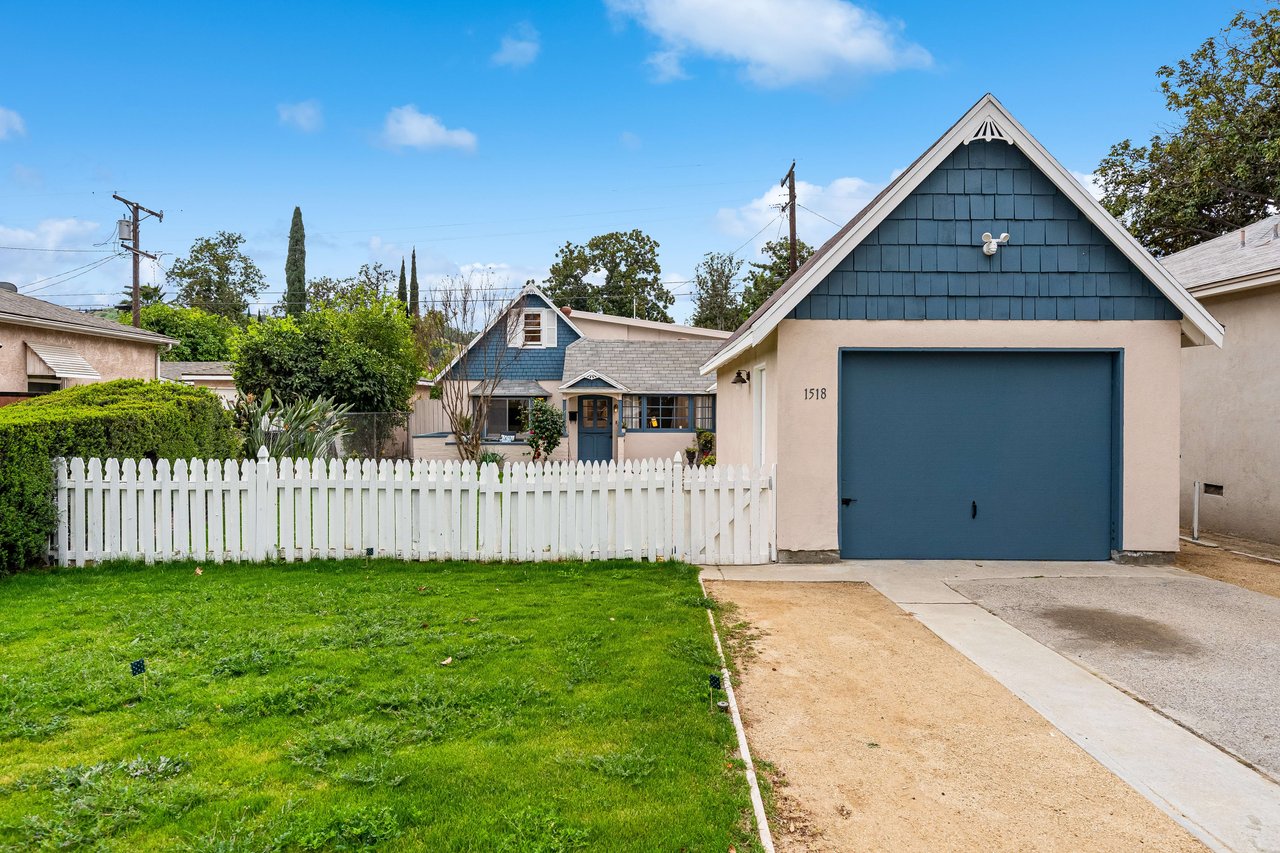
[
  {"x": 1224, "y": 258},
  {"x": 15, "y": 307},
  {"x": 644, "y": 367}
]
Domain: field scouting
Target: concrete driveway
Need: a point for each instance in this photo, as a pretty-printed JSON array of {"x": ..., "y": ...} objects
[
  {"x": 1085, "y": 643},
  {"x": 1203, "y": 652}
]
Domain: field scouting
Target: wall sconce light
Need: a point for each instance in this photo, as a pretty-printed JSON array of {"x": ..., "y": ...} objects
[
  {"x": 740, "y": 379},
  {"x": 990, "y": 244}
]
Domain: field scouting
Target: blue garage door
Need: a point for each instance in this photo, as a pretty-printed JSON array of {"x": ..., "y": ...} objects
[{"x": 970, "y": 455}]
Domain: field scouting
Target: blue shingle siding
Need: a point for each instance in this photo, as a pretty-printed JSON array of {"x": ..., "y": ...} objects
[
  {"x": 925, "y": 261},
  {"x": 535, "y": 364},
  {"x": 591, "y": 383}
]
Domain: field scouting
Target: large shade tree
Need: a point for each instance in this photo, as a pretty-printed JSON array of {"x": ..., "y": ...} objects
[
  {"x": 1218, "y": 167},
  {"x": 629, "y": 277},
  {"x": 716, "y": 305},
  {"x": 217, "y": 276}
]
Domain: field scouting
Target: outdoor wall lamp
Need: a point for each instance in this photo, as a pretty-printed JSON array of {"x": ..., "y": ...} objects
[
  {"x": 990, "y": 244},
  {"x": 740, "y": 379}
]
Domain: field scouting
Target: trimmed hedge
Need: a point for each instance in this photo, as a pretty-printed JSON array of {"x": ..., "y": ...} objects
[{"x": 128, "y": 418}]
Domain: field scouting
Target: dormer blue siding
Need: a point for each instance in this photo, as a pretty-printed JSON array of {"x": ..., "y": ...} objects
[
  {"x": 925, "y": 261},
  {"x": 537, "y": 364}
]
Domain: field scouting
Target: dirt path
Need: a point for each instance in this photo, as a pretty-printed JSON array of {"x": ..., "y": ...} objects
[
  {"x": 1220, "y": 563},
  {"x": 885, "y": 738}
]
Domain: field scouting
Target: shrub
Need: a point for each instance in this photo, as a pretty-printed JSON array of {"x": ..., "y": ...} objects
[
  {"x": 128, "y": 418},
  {"x": 492, "y": 457},
  {"x": 303, "y": 429},
  {"x": 201, "y": 336},
  {"x": 706, "y": 442},
  {"x": 545, "y": 424}
]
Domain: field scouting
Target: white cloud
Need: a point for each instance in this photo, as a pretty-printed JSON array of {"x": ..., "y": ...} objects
[
  {"x": 1091, "y": 183},
  {"x": 666, "y": 66},
  {"x": 65, "y": 276},
  {"x": 406, "y": 127},
  {"x": 779, "y": 42},
  {"x": 11, "y": 124},
  {"x": 305, "y": 116},
  {"x": 820, "y": 208},
  {"x": 518, "y": 49}
]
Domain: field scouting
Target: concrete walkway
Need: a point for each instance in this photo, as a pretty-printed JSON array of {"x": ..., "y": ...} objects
[{"x": 1221, "y": 801}]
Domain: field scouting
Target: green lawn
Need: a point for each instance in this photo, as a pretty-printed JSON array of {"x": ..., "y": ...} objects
[{"x": 304, "y": 706}]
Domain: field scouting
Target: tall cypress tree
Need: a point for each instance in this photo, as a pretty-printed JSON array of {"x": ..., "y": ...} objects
[
  {"x": 295, "y": 268},
  {"x": 402, "y": 292},
  {"x": 413, "y": 283}
]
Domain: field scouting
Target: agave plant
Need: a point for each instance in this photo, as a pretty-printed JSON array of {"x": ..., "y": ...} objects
[{"x": 304, "y": 429}]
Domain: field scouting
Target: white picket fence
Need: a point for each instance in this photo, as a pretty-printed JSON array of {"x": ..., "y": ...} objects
[{"x": 220, "y": 510}]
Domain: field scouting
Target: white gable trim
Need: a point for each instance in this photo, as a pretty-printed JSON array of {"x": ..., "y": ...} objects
[
  {"x": 1197, "y": 323},
  {"x": 527, "y": 290},
  {"x": 594, "y": 374}
]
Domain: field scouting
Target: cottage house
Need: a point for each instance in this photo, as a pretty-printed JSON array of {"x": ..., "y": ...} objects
[
  {"x": 982, "y": 363},
  {"x": 629, "y": 388}
]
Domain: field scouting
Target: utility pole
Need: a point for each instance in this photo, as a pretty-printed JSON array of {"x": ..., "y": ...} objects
[
  {"x": 136, "y": 249},
  {"x": 789, "y": 181}
]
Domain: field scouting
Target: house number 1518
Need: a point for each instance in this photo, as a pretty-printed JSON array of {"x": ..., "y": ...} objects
[{"x": 815, "y": 393}]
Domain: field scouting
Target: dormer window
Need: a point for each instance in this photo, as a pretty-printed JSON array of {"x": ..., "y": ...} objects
[{"x": 533, "y": 328}]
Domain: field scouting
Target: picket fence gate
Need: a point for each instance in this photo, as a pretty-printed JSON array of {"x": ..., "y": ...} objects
[{"x": 223, "y": 510}]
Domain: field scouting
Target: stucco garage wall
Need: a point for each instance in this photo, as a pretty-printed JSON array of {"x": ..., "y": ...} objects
[
  {"x": 735, "y": 407},
  {"x": 1231, "y": 419},
  {"x": 807, "y": 452},
  {"x": 114, "y": 358}
]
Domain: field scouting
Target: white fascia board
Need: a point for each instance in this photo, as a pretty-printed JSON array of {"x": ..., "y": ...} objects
[
  {"x": 1197, "y": 323},
  {"x": 594, "y": 374},
  {"x": 127, "y": 333},
  {"x": 1270, "y": 278}
]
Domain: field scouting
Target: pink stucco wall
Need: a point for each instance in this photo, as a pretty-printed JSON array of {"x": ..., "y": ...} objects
[
  {"x": 114, "y": 358},
  {"x": 803, "y": 432}
]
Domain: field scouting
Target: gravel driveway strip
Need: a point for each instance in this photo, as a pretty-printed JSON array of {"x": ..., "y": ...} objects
[{"x": 1205, "y": 653}]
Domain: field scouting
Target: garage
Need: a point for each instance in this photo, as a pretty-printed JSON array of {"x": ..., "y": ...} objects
[
  {"x": 971, "y": 455},
  {"x": 980, "y": 364}
]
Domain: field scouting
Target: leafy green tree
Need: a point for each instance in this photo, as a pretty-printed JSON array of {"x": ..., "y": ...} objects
[
  {"x": 217, "y": 276},
  {"x": 415, "y": 308},
  {"x": 764, "y": 277},
  {"x": 295, "y": 267},
  {"x": 358, "y": 350},
  {"x": 373, "y": 280},
  {"x": 1218, "y": 169},
  {"x": 632, "y": 277},
  {"x": 148, "y": 294},
  {"x": 201, "y": 336},
  {"x": 402, "y": 292},
  {"x": 716, "y": 306}
]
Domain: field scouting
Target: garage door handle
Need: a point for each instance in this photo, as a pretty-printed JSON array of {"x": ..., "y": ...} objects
[
  {"x": 848, "y": 501},
  {"x": 974, "y": 510}
]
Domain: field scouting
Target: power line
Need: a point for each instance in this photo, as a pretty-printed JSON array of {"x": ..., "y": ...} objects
[
  {"x": 65, "y": 277},
  {"x": 38, "y": 249},
  {"x": 819, "y": 215}
]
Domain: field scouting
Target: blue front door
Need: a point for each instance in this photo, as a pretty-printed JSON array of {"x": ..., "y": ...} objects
[{"x": 595, "y": 429}]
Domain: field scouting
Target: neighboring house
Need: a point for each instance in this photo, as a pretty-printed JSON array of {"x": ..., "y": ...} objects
[
  {"x": 629, "y": 389},
  {"x": 1231, "y": 397},
  {"x": 46, "y": 347},
  {"x": 214, "y": 375},
  {"x": 927, "y": 393}
]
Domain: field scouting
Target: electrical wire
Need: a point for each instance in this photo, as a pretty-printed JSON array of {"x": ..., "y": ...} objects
[
  {"x": 39, "y": 249},
  {"x": 819, "y": 215},
  {"x": 86, "y": 267}
]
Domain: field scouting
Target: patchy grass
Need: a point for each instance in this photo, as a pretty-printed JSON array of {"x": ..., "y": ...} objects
[{"x": 305, "y": 707}]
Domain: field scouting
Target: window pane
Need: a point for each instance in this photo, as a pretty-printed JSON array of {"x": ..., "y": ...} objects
[
  {"x": 532, "y": 328},
  {"x": 680, "y": 414},
  {"x": 706, "y": 411},
  {"x": 506, "y": 416},
  {"x": 631, "y": 413}
]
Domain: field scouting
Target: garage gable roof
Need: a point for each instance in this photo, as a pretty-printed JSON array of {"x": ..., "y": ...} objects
[{"x": 986, "y": 121}]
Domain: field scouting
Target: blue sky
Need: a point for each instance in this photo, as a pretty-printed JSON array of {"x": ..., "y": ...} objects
[{"x": 488, "y": 134}]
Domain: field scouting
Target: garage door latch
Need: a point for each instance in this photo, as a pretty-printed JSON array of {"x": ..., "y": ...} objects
[{"x": 974, "y": 510}]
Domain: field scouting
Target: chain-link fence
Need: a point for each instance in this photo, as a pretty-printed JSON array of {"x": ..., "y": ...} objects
[{"x": 375, "y": 435}]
